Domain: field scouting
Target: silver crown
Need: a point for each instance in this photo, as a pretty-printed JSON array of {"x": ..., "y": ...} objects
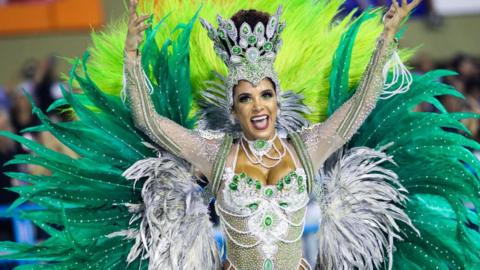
[{"x": 248, "y": 53}]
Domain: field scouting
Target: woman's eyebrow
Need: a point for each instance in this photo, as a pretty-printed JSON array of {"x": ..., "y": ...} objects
[{"x": 267, "y": 90}]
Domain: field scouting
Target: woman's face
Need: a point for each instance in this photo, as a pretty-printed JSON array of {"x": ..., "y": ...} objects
[{"x": 255, "y": 107}]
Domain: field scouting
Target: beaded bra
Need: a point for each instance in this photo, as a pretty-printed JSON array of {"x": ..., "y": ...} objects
[{"x": 263, "y": 224}]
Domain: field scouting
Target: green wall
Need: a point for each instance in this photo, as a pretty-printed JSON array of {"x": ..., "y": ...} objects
[{"x": 458, "y": 34}]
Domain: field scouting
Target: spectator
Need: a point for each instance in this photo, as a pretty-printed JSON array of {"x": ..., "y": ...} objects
[
  {"x": 7, "y": 151},
  {"x": 47, "y": 88},
  {"x": 27, "y": 74},
  {"x": 466, "y": 66}
]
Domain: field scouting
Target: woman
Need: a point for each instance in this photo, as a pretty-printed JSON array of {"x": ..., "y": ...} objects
[
  {"x": 261, "y": 180},
  {"x": 254, "y": 146}
]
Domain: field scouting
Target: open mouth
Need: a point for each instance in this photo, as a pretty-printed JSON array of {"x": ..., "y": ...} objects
[{"x": 260, "y": 122}]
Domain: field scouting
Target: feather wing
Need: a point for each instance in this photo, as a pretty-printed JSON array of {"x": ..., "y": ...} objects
[{"x": 361, "y": 208}]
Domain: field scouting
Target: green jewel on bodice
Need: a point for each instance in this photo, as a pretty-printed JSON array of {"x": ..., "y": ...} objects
[
  {"x": 268, "y": 190},
  {"x": 268, "y": 264}
]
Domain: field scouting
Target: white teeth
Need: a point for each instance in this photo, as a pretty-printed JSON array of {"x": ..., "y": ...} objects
[{"x": 259, "y": 118}]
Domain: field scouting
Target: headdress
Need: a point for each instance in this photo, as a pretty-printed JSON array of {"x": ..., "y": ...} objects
[{"x": 248, "y": 53}]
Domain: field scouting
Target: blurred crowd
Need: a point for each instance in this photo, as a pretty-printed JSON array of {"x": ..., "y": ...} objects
[{"x": 39, "y": 82}]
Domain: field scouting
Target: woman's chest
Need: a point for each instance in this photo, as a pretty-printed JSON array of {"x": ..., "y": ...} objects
[
  {"x": 243, "y": 194},
  {"x": 267, "y": 175}
]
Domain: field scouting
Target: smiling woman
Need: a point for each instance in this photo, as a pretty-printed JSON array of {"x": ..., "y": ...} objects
[
  {"x": 255, "y": 108},
  {"x": 261, "y": 180},
  {"x": 262, "y": 159}
]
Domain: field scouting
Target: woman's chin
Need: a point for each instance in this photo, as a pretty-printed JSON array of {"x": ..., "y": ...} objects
[{"x": 258, "y": 134}]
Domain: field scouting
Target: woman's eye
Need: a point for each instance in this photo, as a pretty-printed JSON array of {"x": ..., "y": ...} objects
[
  {"x": 267, "y": 95},
  {"x": 244, "y": 99}
]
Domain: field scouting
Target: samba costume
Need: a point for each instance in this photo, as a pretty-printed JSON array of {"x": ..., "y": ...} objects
[{"x": 160, "y": 219}]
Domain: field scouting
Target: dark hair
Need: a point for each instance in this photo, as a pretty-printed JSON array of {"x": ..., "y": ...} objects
[{"x": 251, "y": 16}]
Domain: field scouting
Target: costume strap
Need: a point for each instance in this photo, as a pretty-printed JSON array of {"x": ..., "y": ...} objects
[
  {"x": 304, "y": 158},
  {"x": 219, "y": 165}
]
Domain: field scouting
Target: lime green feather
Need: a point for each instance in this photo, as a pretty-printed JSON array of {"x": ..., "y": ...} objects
[{"x": 312, "y": 29}]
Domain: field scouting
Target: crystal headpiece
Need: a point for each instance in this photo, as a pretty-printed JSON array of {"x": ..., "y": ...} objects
[{"x": 248, "y": 53}]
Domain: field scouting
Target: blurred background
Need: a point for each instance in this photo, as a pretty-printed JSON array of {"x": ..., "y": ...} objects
[{"x": 36, "y": 36}]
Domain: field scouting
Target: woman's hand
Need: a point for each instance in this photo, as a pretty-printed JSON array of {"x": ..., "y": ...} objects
[
  {"x": 136, "y": 27},
  {"x": 396, "y": 14}
]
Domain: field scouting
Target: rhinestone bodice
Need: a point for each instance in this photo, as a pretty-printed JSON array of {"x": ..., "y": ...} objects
[{"x": 263, "y": 224}]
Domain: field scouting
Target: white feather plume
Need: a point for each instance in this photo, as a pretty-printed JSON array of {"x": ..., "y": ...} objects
[
  {"x": 361, "y": 205},
  {"x": 175, "y": 231}
]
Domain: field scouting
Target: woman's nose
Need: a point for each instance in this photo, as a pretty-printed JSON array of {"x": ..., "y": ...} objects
[{"x": 257, "y": 106}]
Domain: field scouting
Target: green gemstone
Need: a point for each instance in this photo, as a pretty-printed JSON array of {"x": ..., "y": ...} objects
[
  {"x": 236, "y": 50},
  {"x": 301, "y": 189},
  {"x": 269, "y": 192},
  {"x": 268, "y": 46},
  {"x": 300, "y": 180},
  {"x": 253, "y": 206},
  {"x": 268, "y": 221},
  {"x": 280, "y": 185},
  {"x": 245, "y": 30},
  {"x": 283, "y": 204},
  {"x": 233, "y": 186},
  {"x": 258, "y": 185},
  {"x": 221, "y": 34},
  {"x": 252, "y": 39},
  {"x": 288, "y": 180},
  {"x": 260, "y": 144},
  {"x": 235, "y": 179},
  {"x": 268, "y": 264},
  {"x": 250, "y": 181},
  {"x": 242, "y": 175}
]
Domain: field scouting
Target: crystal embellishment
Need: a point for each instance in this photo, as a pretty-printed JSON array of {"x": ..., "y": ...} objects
[
  {"x": 268, "y": 192},
  {"x": 268, "y": 221},
  {"x": 259, "y": 144},
  {"x": 268, "y": 264},
  {"x": 260, "y": 147}
]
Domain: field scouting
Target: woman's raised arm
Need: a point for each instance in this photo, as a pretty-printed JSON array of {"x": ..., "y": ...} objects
[
  {"x": 187, "y": 144},
  {"x": 324, "y": 139}
]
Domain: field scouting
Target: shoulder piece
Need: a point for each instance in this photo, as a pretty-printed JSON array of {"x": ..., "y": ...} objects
[
  {"x": 219, "y": 164},
  {"x": 304, "y": 158}
]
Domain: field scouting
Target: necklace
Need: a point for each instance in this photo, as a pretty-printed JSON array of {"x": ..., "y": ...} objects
[{"x": 260, "y": 149}]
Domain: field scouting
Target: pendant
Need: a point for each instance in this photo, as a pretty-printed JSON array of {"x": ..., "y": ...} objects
[
  {"x": 267, "y": 264},
  {"x": 260, "y": 147}
]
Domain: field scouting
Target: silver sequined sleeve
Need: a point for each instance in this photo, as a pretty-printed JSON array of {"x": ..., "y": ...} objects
[
  {"x": 187, "y": 144},
  {"x": 323, "y": 139}
]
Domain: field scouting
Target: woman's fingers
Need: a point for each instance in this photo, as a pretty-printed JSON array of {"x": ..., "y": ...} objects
[
  {"x": 413, "y": 5},
  {"x": 139, "y": 21},
  {"x": 390, "y": 13},
  {"x": 144, "y": 27},
  {"x": 395, "y": 4}
]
